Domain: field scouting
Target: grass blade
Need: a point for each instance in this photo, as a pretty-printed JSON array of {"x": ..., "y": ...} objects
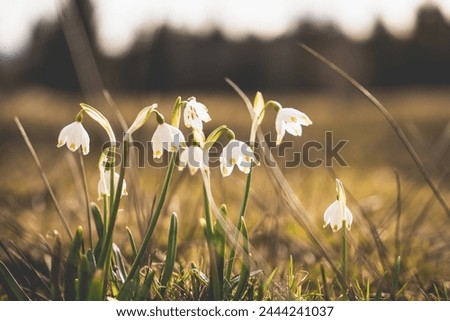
[
  {"x": 56, "y": 268},
  {"x": 144, "y": 290},
  {"x": 132, "y": 242},
  {"x": 9, "y": 283},
  {"x": 395, "y": 278},
  {"x": 73, "y": 262},
  {"x": 44, "y": 177},
  {"x": 245, "y": 270},
  {"x": 265, "y": 286},
  {"x": 171, "y": 253}
]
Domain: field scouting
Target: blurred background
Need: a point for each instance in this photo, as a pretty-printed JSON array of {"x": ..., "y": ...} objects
[
  {"x": 56, "y": 54},
  {"x": 161, "y": 45}
]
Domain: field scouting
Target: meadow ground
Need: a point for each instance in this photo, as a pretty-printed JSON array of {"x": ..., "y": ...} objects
[{"x": 392, "y": 217}]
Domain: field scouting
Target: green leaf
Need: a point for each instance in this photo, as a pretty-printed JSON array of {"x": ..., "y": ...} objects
[
  {"x": 132, "y": 242},
  {"x": 266, "y": 284},
  {"x": 245, "y": 269},
  {"x": 73, "y": 261},
  {"x": 119, "y": 264},
  {"x": 96, "y": 287},
  {"x": 395, "y": 282},
  {"x": 84, "y": 278},
  {"x": 56, "y": 268},
  {"x": 220, "y": 237},
  {"x": 126, "y": 292},
  {"x": 144, "y": 290},
  {"x": 171, "y": 252},
  {"x": 97, "y": 220},
  {"x": 9, "y": 283}
]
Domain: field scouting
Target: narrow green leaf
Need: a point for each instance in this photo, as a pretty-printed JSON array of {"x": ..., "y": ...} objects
[
  {"x": 171, "y": 252},
  {"x": 379, "y": 294},
  {"x": 245, "y": 269},
  {"x": 56, "y": 268},
  {"x": 97, "y": 220},
  {"x": 326, "y": 295},
  {"x": 84, "y": 277},
  {"x": 73, "y": 261},
  {"x": 266, "y": 284},
  {"x": 9, "y": 283},
  {"x": 220, "y": 237},
  {"x": 396, "y": 277},
  {"x": 132, "y": 242},
  {"x": 119, "y": 264},
  {"x": 126, "y": 292},
  {"x": 144, "y": 290}
]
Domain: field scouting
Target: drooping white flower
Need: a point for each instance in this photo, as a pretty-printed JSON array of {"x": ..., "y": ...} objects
[
  {"x": 290, "y": 120},
  {"x": 338, "y": 212},
  {"x": 195, "y": 114},
  {"x": 195, "y": 158},
  {"x": 236, "y": 153},
  {"x": 104, "y": 184},
  {"x": 166, "y": 137},
  {"x": 75, "y": 136}
]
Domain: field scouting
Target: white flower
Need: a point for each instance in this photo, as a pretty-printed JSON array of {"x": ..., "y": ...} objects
[
  {"x": 195, "y": 158},
  {"x": 74, "y": 135},
  {"x": 290, "y": 120},
  {"x": 195, "y": 113},
  {"x": 338, "y": 212},
  {"x": 104, "y": 184},
  {"x": 236, "y": 153},
  {"x": 166, "y": 137}
]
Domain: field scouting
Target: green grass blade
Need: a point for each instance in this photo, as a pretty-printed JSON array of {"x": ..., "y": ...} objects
[
  {"x": 265, "y": 286},
  {"x": 55, "y": 271},
  {"x": 171, "y": 252},
  {"x": 326, "y": 294},
  {"x": 84, "y": 277},
  {"x": 127, "y": 291},
  {"x": 379, "y": 294},
  {"x": 97, "y": 220},
  {"x": 395, "y": 278},
  {"x": 73, "y": 261},
  {"x": 9, "y": 283},
  {"x": 132, "y": 242},
  {"x": 144, "y": 290},
  {"x": 220, "y": 237},
  {"x": 245, "y": 269}
]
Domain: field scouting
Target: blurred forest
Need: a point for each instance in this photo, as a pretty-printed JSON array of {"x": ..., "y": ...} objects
[{"x": 172, "y": 60}]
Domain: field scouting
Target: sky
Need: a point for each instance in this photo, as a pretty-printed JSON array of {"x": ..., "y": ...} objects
[{"x": 118, "y": 22}]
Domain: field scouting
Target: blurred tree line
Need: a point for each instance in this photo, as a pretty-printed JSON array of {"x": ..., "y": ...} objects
[{"x": 174, "y": 60}]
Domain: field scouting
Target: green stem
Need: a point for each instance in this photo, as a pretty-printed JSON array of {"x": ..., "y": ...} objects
[
  {"x": 238, "y": 225},
  {"x": 344, "y": 250},
  {"x": 114, "y": 206},
  {"x": 215, "y": 281},
  {"x": 154, "y": 220}
]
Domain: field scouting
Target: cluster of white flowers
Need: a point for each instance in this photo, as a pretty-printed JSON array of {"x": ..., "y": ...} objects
[{"x": 170, "y": 138}]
